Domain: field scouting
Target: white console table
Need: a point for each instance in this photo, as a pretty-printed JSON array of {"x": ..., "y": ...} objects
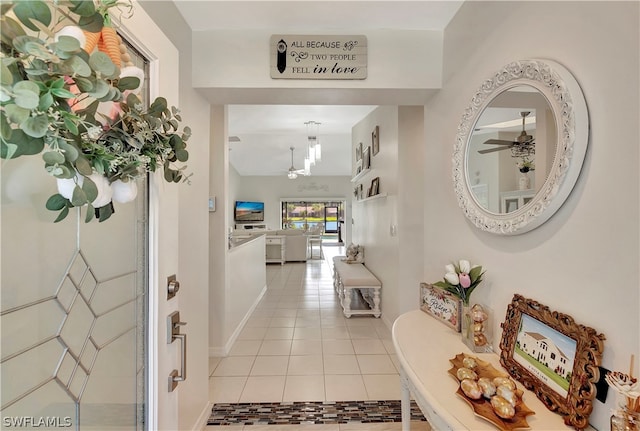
[
  {"x": 424, "y": 347},
  {"x": 275, "y": 249}
]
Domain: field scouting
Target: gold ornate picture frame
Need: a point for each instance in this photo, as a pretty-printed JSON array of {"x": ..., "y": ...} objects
[{"x": 553, "y": 356}]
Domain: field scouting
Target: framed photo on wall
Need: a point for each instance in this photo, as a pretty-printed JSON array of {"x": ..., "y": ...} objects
[
  {"x": 375, "y": 140},
  {"x": 553, "y": 356},
  {"x": 375, "y": 186},
  {"x": 359, "y": 152},
  {"x": 366, "y": 158}
]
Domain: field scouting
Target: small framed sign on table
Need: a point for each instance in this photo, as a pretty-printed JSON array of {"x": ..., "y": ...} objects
[{"x": 441, "y": 304}]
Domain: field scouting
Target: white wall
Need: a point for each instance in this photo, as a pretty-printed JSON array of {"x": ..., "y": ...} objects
[
  {"x": 219, "y": 275},
  {"x": 410, "y": 205},
  {"x": 585, "y": 260},
  {"x": 232, "y": 193},
  {"x": 215, "y": 74},
  {"x": 248, "y": 284},
  {"x": 390, "y": 227},
  {"x": 372, "y": 218},
  {"x": 237, "y": 282}
]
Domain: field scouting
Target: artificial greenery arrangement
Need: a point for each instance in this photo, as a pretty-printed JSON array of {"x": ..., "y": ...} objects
[
  {"x": 78, "y": 105},
  {"x": 525, "y": 165}
]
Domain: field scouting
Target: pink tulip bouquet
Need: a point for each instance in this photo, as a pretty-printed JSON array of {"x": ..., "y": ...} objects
[{"x": 461, "y": 279}]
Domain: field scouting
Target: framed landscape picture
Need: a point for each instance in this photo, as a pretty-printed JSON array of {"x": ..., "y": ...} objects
[{"x": 552, "y": 355}]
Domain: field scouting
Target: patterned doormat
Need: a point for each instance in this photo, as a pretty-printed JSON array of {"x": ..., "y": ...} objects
[{"x": 339, "y": 412}]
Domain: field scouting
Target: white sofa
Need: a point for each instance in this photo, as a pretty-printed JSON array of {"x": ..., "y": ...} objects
[{"x": 296, "y": 245}]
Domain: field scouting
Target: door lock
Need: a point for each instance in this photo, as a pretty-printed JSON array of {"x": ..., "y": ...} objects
[{"x": 173, "y": 285}]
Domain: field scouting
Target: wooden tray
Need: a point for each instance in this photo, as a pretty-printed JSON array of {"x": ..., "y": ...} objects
[{"x": 482, "y": 407}]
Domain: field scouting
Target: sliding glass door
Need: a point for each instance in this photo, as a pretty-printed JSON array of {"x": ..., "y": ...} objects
[
  {"x": 307, "y": 214},
  {"x": 331, "y": 220}
]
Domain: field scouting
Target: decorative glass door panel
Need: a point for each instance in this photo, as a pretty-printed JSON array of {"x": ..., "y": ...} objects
[{"x": 73, "y": 308}]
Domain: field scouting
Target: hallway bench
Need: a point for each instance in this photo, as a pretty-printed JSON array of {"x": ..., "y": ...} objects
[{"x": 352, "y": 282}]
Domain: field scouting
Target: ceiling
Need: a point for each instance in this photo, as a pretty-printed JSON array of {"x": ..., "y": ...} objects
[{"x": 266, "y": 132}]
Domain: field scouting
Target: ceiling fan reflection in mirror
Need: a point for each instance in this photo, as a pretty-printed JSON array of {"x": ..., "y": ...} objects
[
  {"x": 293, "y": 173},
  {"x": 523, "y": 146}
]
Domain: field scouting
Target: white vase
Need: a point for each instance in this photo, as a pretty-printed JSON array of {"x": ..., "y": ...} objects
[
  {"x": 474, "y": 328},
  {"x": 524, "y": 183},
  {"x": 124, "y": 192}
]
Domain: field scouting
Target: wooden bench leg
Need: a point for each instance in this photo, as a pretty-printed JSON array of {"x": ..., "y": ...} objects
[
  {"x": 376, "y": 302},
  {"x": 346, "y": 306}
]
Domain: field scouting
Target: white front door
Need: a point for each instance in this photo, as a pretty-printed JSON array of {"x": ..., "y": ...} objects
[{"x": 83, "y": 308}]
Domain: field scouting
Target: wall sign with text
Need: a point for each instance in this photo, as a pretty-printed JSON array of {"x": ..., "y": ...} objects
[
  {"x": 443, "y": 305},
  {"x": 318, "y": 57}
]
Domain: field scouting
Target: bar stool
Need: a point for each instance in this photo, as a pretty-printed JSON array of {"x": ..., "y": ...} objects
[{"x": 315, "y": 238}]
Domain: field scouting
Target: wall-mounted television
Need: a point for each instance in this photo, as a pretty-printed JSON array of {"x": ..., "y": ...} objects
[{"x": 249, "y": 211}]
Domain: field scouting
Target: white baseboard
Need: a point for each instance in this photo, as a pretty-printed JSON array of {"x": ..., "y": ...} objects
[
  {"x": 387, "y": 322},
  {"x": 201, "y": 424},
  {"x": 219, "y": 351}
]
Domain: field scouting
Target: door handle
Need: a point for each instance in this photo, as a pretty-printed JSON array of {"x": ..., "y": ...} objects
[
  {"x": 179, "y": 376},
  {"x": 173, "y": 333}
]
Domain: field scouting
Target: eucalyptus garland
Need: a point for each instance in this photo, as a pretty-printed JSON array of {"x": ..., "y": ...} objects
[{"x": 77, "y": 109}]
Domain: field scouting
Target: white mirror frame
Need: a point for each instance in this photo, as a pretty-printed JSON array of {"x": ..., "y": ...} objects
[{"x": 569, "y": 107}]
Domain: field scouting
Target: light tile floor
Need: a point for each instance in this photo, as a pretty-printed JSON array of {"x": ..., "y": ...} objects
[{"x": 298, "y": 346}]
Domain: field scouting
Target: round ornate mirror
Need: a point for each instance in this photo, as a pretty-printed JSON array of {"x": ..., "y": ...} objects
[{"x": 520, "y": 146}]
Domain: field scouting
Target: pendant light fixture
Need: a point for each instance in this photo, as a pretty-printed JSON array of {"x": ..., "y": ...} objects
[{"x": 314, "y": 150}]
